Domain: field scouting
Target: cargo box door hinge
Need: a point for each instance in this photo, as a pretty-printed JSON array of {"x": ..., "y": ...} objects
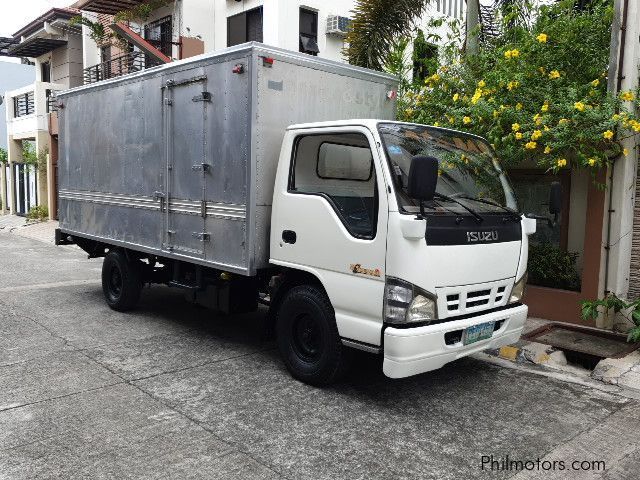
[{"x": 202, "y": 236}]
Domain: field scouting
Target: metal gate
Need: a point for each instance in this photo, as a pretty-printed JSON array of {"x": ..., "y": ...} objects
[
  {"x": 184, "y": 208},
  {"x": 26, "y": 188}
]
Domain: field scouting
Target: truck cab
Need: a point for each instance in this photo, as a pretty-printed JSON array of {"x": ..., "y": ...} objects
[{"x": 406, "y": 241}]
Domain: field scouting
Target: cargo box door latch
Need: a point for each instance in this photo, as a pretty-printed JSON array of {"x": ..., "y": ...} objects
[
  {"x": 203, "y": 237},
  {"x": 201, "y": 167},
  {"x": 203, "y": 97}
]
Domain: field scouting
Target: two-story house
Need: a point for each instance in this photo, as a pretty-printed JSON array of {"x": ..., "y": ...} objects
[{"x": 55, "y": 46}]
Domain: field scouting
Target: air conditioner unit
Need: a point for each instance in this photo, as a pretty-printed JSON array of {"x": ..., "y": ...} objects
[{"x": 337, "y": 25}]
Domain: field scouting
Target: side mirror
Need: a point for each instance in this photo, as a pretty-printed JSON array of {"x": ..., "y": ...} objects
[
  {"x": 555, "y": 199},
  {"x": 423, "y": 177}
]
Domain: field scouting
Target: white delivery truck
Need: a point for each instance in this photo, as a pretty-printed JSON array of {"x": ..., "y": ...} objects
[{"x": 397, "y": 239}]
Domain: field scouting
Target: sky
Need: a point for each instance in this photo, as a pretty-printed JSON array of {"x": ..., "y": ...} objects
[{"x": 15, "y": 14}]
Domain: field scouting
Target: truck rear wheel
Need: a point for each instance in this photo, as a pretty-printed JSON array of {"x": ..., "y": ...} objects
[
  {"x": 121, "y": 281},
  {"x": 308, "y": 337}
]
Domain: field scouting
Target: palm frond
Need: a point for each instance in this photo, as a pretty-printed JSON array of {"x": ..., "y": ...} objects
[{"x": 375, "y": 26}]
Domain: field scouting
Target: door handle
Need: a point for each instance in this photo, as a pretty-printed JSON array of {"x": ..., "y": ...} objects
[{"x": 289, "y": 236}]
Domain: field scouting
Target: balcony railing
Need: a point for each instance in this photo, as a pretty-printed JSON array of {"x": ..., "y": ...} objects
[{"x": 118, "y": 66}]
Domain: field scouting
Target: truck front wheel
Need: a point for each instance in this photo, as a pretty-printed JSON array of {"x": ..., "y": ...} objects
[
  {"x": 121, "y": 281},
  {"x": 308, "y": 337}
]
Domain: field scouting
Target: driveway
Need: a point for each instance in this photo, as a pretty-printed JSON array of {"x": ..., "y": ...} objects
[{"x": 175, "y": 391}]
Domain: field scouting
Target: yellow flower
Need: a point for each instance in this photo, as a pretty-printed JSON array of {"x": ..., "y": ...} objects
[
  {"x": 547, "y": 149},
  {"x": 518, "y": 106},
  {"x": 608, "y": 134},
  {"x": 536, "y": 135},
  {"x": 561, "y": 162},
  {"x": 481, "y": 84},
  {"x": 553, "y": 74},
  {"x": 519, "y": 135},
  {"x": 595, "y": 83},
  {"x": 512, "y": 85},
  {"x": 530, "y": 145},
  {"x": 435, "y": 78},
  {"x": 515, "y": 127},
  {"x": 579, "y": 106},
  {"x": 615, "y": 117},
  {"x": 408, "y": 111},
  {"x": 512, "y": 53},
  {"x": 627, "y": 96},
  {"x": 466, "y": 120},
  {"x": 544, "y": 107},
  {"x": 625, "y": 152},
  {"x": 476, "y": 96},
  {"x": 592, "y": 162},
  {"x": 546, "y": 129},
  {"x": 496, "y": 114},
  {"x": 451, "y": 119},
  {"x": 537, "y": 118},
  {"x": 436, "y": 124},
  {"x": 542, "y": 38},
  {"x": 456, "y": 97},
  {"x": 563, "y": 121}
]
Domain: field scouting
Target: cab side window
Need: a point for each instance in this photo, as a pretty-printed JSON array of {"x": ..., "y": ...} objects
[{"x": 339, "y": 167}]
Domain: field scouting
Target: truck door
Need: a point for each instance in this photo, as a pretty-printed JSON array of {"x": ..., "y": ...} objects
[
  {"x": 185, "y": 105},
  {"x": 332, "y": 221}
]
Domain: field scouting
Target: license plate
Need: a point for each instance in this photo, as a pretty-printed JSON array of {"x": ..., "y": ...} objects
[{"x": 478, "y": 332}]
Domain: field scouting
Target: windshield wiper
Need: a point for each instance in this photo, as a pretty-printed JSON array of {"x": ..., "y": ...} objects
[
  {"x": 516, "y": 215},
  {"x": 475, "y": 214}
]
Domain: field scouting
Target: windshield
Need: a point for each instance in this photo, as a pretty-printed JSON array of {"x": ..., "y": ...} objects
[{"x": 468, "y": 171}]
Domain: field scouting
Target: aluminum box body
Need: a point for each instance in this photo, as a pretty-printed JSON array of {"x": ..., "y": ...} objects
[{"x": 180, "y": 160}]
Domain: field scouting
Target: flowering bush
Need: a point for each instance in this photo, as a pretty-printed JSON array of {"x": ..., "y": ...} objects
[{"x": 538, "y": 93}]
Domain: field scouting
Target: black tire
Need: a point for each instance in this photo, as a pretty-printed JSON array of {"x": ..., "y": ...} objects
[
  {"x": 121, "y": 281},
  {"x": 308, "y": 338}
]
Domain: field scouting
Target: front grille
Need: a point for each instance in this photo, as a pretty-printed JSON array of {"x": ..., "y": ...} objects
[{"x": 487, "y": 297}]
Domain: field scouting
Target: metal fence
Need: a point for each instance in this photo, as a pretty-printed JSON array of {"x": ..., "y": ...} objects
[{"x": 118, "y": 66}]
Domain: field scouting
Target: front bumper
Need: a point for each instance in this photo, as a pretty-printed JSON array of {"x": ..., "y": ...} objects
[{"x": 409, "y": 351}]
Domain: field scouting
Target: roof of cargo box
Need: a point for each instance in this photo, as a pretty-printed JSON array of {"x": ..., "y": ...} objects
[{"x": 246, "y": 48}]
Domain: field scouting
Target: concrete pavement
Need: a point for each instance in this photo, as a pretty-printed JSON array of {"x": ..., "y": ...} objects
[{"x": 175, "y": 391}]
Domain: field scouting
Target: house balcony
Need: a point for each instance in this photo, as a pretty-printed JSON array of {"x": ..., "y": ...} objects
[
  {"x": 118, "y": 66},
  {"x": 29, "y": 108}
]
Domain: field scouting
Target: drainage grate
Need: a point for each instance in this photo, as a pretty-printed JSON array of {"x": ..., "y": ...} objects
[{"x": 582, "y": 342}]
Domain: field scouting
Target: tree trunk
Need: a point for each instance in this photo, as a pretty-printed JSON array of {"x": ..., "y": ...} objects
[{"x": 472, "y": 24}]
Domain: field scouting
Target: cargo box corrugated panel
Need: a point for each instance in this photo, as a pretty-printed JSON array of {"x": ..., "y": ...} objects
[{"x": 180, "y": 160}]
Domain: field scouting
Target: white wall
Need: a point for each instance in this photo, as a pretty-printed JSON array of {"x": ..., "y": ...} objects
[{"x": 27, "y": 125}]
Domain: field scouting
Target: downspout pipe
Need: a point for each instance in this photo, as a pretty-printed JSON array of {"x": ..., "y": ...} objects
[{"x": 620, "y": 78}]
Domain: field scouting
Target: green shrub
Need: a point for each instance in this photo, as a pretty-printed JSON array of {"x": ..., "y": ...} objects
[
  {"x": 629, "y": 310},
  {"x": 39, "y": 212},
  {"x": 549, "y": 266}
]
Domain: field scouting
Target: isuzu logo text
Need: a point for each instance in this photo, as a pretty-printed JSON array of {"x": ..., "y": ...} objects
[{"x": 473, "y": 237}]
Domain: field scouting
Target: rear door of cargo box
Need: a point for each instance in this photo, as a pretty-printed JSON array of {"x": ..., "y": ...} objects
[
  {"x": 226, "y": 180},
  {"x": 185, "y": 105}
]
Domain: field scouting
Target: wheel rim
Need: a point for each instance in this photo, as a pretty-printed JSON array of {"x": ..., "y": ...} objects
[
  {"x": 115, "y": 282},
  {"x": 307, "y": 339}
]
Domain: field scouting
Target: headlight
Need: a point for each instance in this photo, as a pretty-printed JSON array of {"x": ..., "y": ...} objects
[
  {"x": 517, "y": 292},
  {"x": 406, "y": 303}
]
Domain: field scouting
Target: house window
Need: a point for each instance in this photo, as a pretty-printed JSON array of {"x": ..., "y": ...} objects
[
  {"x": 309, "y": 31},
  {"x": 23, "y": 105},
  {"x": 45, "y": 71},
  {"x": 160, "y": 35},
  {"x": 245, "y": 27}
]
